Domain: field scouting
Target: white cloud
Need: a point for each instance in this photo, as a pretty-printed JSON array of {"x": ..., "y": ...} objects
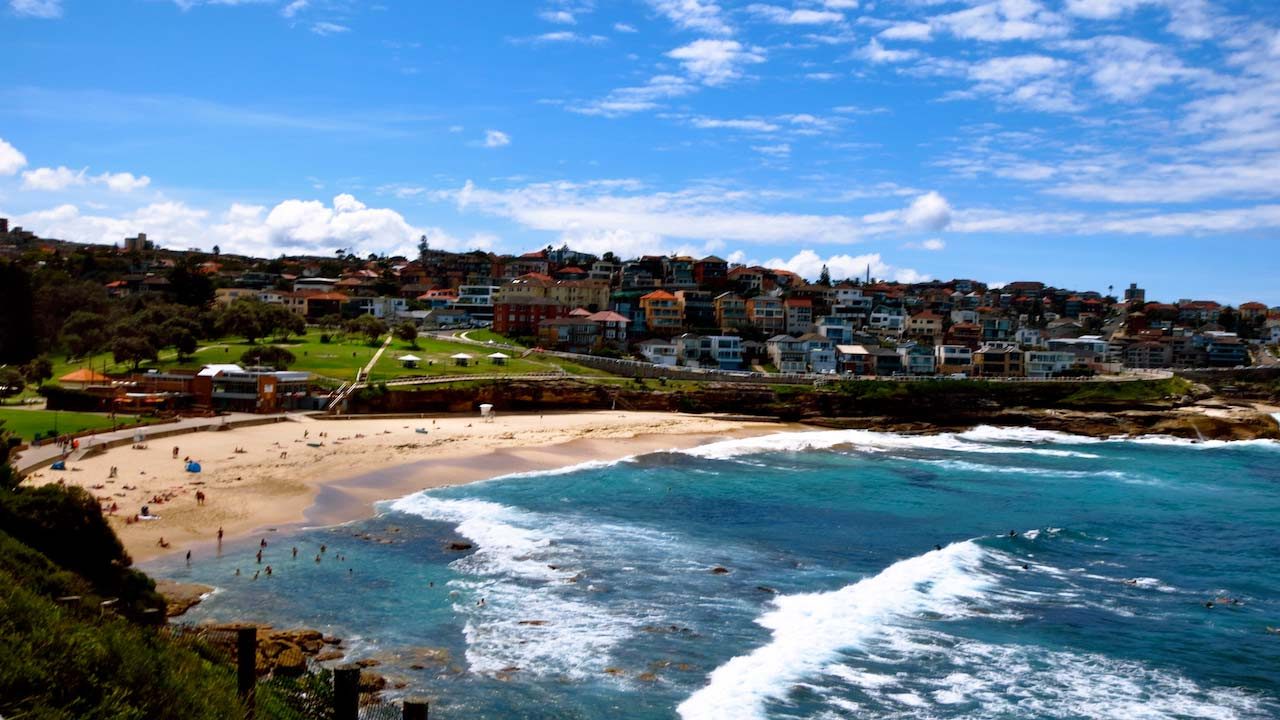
[
  {"x": 564, "y": 36},
  {"x": 11, "y": 160},
  {"x": 702, "y": 214},
  {"x": 496, "y": 139},
  {"x": 624, "y": 28},
  {"x": 1128, "y": 69},
  {"x": 908, "y": 30},
  {"x": 327, "y": 28},
  {"x": 1003, "y": 20},
  {"x": 62, "y": 177},
  {"x": 47, "y": 9},
  {"x": 294, "y": 8},
  {"x": 628, "y": 100},
  {"x": 932, "y": 244},
  {"x": 290, "y": 227},
  {"x": 59, "y": 178},
  {"x": 123, "y": 182},
  {"x": 716, "y": 62},
  {"x": 874, "y": 52},
  {"x": 747, "y": 124},
  {"x": 779, "y": 150},
  {"x": 809, "y": 264},
  {"x": 799, "y": 16},
  {"x": 700, "y": 15},
  {"x": 560, "y": 17}
]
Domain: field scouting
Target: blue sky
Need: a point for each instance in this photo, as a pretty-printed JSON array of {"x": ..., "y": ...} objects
[{"x": 1085, "y": 143}]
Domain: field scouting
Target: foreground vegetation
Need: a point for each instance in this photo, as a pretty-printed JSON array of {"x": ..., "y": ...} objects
[
  {"x": 34, "y": 424},
  {"x": 61, "y": 656}
]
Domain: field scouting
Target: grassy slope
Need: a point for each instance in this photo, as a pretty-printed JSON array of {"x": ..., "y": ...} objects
[{"x": 26, "y": 423}]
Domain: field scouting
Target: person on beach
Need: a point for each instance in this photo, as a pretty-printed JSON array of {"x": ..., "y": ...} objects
[
  {"x": 162, "y": 543},
  {"x": 219, "y": 534},
  {"x": 259, "y": 557},
  {"x": 188, "y": 557},
  {"x": 175, "y": 452},
  {"x": 268, "y": 571},
  {"x": 295, "y": 552}
]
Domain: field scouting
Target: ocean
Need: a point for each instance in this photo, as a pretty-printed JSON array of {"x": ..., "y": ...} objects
[{"x": 994, "y": 573}]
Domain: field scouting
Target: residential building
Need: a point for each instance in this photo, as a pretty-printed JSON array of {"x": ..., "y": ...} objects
[
  {"x": 731, "y": 311},
  {"x": 950, "y": 359},
  {"x": 612, "y": 325},
  {"x": 925, "y": 325},
  {"x": 571, "y": 334},
  {"x": 836, "y": 329},
  {"x": 787, "y": 354},
  {"x": 698, "y": 309},
  {"x": 711, "y": 273},
  {"x": 998, "y": 359},
  {"x": 1148, "y": 354},
  {"x": 662, "y": 315},
  {"x": 766, "y": 313},
  {"x": 917, "y": 359},
  {"x": 799, "y": 315},
  {"x": 523, "y": 315},
  {"x": 658, "y": 352},
  {"x": 714, "y": 351},
  {"x": 1047, "y": 363},
  {"x": 820, "y": 352},
  {"x": 1029, "y": 337}
]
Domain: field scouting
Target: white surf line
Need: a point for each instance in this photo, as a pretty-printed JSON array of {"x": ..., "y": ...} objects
[{"x": 810, "y": 630}]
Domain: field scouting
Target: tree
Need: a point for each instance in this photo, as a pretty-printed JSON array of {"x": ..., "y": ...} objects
[
  {"x": 38, "y": 370},
  {"x": 188, "y": 285},
  {"x": 408, "y": 332},
  {"x": 17, "y": 322},
  {"x": 184, "y": 342},
  {"x": 83, "y": 333},
  {"x": 11, "y": 382},
  {"x": 272, "y": 355},
  {"x": 217, "y": 250},
  {"x": 824, "y": 278},
  {"x": 244, "y": 317},
  {"x": 133, "y": 349},
  {"x": 424, "y": 247},
  {"x": 367, "y": 325},
  {"x": 282, "y": 322}
]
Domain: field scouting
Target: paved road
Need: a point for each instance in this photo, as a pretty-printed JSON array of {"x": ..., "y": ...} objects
[{"x": 35, "y": 456}]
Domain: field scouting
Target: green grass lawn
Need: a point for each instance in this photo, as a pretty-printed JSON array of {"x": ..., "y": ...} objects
[
  {"x": 341, "y": 358},
  {"x": 436, "y": 360},
  {"x": 485, "y": 335},
  {"x": 26, "y": 423}
]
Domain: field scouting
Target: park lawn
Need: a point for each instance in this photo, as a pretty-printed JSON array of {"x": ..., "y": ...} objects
[
  {"x": 26, "y": 423},
  {"x": 486, "y": 335},
  {"x": 436, "y": 361},
  {"x": 340, "y": 358}
]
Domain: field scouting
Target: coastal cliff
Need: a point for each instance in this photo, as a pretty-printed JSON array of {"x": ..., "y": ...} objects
[{"x": 1175, "y": 406}]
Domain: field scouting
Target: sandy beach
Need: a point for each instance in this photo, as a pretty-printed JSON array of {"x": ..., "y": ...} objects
[{"x": 328, "y": 471}]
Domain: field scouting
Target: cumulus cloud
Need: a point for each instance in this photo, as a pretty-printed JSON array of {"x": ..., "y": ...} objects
[
  {"x": 59, "y": 178},
  {"x": 328, "y": 28},
  {"x": 123, "y": 182},
  {"x": 809, "y": 264},
  {"x": 496, "y": 139},
  {"x": 293, "y": 226},
  {"x": 700, "y": 15},
  {"x": 11, "y": 160},
  {"x": 798, "y": 16},
  {"x": 715, "y": 62},
  {"x": 929, "y": 211},
  {"x": 46, "y": 9},
  {"x": 639, "y": 98}
]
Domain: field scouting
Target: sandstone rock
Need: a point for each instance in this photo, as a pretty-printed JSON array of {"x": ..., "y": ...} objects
[
  {"x": 718, "y": 570},
  {"x": 458, "y": 545}
]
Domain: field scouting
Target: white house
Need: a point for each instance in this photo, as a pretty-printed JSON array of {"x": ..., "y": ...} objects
[
  {"x": 1047, "y": 363},
  {"x": 888, "y": 319},
  {"x": 658, "y": 352}
]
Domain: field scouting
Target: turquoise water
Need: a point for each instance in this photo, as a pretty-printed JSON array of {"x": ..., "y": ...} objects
[{"x": 601, "y": 596}]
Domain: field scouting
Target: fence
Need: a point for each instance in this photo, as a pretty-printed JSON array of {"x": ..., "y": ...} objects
[{"x": 293, "y": 689}]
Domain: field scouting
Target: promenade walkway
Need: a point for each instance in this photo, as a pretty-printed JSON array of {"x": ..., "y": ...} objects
[{"x": 35, "y": 457}]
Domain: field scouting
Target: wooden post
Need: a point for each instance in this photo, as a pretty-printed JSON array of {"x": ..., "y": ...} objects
[
  {"x": 415, "y": 709},
  {"x": 247, "y": 667},
  {"x": 346, "y": 692}
]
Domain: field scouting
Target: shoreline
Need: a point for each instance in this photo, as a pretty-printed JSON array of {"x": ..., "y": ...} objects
[{"x": 325, "y": 472}]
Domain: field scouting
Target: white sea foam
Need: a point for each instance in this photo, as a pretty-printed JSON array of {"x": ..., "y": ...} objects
[
  {"x": 991, "y": 433},
  {"x": 567, "y": 469},
  {"x": 810, "y": 630},
  {"x": 522, "y": 569},
  {"x": 1018, "y": 681},
  {"x": 862, "y": 440},
  {"x": 966, "y": 466}
]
